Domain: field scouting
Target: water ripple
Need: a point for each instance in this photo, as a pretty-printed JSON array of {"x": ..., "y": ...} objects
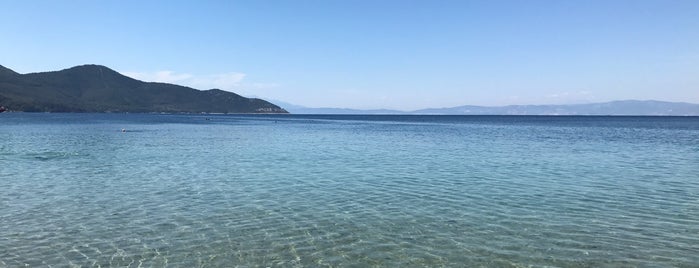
[{"x": 333, "y": 192}]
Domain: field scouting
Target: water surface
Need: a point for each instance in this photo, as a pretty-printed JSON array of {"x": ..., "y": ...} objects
[{"x": 357, "y": 191}]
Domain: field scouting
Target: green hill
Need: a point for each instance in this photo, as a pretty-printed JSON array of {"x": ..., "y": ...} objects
[{"x": 95, "y": 88}]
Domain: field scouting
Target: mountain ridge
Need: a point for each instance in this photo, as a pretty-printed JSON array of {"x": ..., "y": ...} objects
[
  {"x": 619, "y": 107},
  {"x": 97, "y": 88}
]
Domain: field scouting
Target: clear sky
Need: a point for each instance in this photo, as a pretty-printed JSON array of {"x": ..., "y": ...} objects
[{"x": 374, "y": 54}]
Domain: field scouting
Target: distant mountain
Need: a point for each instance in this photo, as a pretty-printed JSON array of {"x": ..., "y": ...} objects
[
  {"x": 298, "y": 109},
  {"x": 626, "y": 107},
  {"x": 95, "y": 88},
  {"x": 345, "y": 111}
]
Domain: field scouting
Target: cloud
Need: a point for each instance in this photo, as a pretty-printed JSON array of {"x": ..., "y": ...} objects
[
  {"x": 159, "y": 76},
  {"x": 224, "y": 81},
  {"x": 264, "y": 85}
]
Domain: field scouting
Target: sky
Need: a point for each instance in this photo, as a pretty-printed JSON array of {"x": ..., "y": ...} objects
[{"x": 402, "y": 55}]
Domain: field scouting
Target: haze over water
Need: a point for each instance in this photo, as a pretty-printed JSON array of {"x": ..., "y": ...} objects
[{"x": 399, "y": 191}]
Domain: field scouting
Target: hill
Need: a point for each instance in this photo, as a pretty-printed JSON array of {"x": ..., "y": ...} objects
[
  {"x": 95, "y": 88},
  {"x": 625, "y": 107},
  {"x": 298, "y": 109}
]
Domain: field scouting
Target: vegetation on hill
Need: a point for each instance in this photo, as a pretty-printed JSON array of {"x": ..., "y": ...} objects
[{"x": 95, "y": 88}]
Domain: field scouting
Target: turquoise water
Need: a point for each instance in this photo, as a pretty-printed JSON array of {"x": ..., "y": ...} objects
[{"x": 356, "y": 191}]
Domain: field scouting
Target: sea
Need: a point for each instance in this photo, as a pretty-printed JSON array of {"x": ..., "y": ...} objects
[{"x": 169, "y": 190}]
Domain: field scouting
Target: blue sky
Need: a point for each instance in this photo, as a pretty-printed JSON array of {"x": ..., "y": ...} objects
[{"x": 374, "y": 54}]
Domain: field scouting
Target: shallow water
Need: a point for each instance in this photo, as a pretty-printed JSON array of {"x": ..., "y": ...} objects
[{"x": 293, "y": 190}]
